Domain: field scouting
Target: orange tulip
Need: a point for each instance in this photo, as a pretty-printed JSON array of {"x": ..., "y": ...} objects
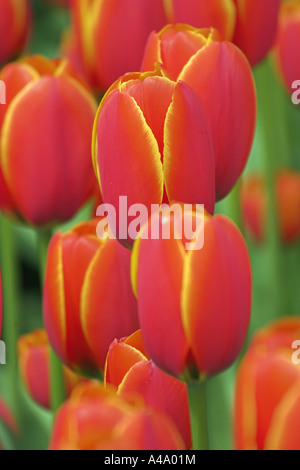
[
  {"x": 256, "y": 27},
  {"x": 152, "y": 143},
  {"x": 111, "y": 35},
  {"x": 95, "y": 418},
  {"x": 129, "y": 369},
  {"x": 288, "y": 42},
  {"x": 210, "y": 67},
  {"x": 255, "y": 205},
  {"x": 88, "y": 300},
  {"x": 46, "y": 127},
  {"x": 220, "y": 14},
  {"x": 14, "y": 27},
  {"x": 268, "y": 390},
  {"x": 34, "y": 365},
  {"x": 194, "y": 304}
]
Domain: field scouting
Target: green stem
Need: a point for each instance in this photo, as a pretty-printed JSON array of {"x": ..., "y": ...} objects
[
  {"x": 198, "y": 415},
  {"x": 9, "y": 264},
  {"x": 57, "y": 382},
  {"x": 234, "y": 206}
]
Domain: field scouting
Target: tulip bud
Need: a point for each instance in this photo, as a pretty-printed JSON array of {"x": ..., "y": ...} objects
[
  {"x": 256, "y": 27},
  {"x": 34, "y": 365},
  {"x": 46, "y": 127},
  {"x": 254, "y": 201},
  {"x": 195, "y": 314},
  {"x": 112, "y": 35},
  {"x": 267, "y": 390},
  {"x": 197, "y": 58},
  {"x": 95, "y": 418},
  {"x": 8, "y": 419},
  {"x": 152, "y": 143},
  {"x": 88, "y": 300},
  {"x": 288, "y": 41},
  {"x": 220, "y": 14},
  {"x": 129, "y": 368},
  {"x": 14, "y": 27}
]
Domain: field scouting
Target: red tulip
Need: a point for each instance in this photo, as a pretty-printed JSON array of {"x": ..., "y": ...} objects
[
  {"x": 34, "y": 364},
  {"x": 112, "y": 35},
  {"x": 267, "y": 390},
  {"x": 46, "y": 129},
  {"x": 220, "y": 14},
  {"x": 256, "y": 27},
  {"x": 288, "y": 41},
  {"x": 88, "y": 300},
  {"x": 14, "y": 27},
  {"x": 152, "y": 143},
  {"x": 194, "y": 306},
  {"x": 255, "y": 205},
  {"x": 95, "y": 418},
  {"x": 7, "y": 418},
  {"x": 222, "y": 78},
  {"x": 130, "y": 370}
]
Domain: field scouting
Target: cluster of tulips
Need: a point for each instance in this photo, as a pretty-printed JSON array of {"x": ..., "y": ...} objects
[{"x": 155, "y": 101}]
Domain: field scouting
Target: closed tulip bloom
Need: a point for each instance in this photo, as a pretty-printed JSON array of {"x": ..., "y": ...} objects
[
  {"x": 95, "y": 418},
  {"x": 46, "y": 129},
  {"x": 152, "y": 143},
  {"x": 254, "y": 200},
  {"x": 14, "y": 27},
  {"x": 7, "y": 418},
  {"x": 209, "y": 66},
  {"x": 34, "y": 366},
  {"x": 267, "y": 390},
  {"x": 129, "y": 369},
  {"x": 112, "y": 35},
  {"x": 88, "y": 301},
  {"x": 195, "y": 315},
  {"x": 287, "y": 42},
  {"x": 220, "y": 14},
  {"x": 256, "y": 27}
]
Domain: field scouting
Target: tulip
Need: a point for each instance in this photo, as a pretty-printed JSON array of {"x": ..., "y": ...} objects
[
  {"x": 255, "y": 205},
  {"x": 46, "y": 128},
  {"x": 195, "y": 313},
  {"x": 7, "y": 418},
  {"x": 267, "y": 390},
  {"x": 88, "y": 301},
  {"x": 95, "y": 418},
  {"x": 14, "y": 27},
  {"x": 221, "y": 14},
  {"x": 112, "y": 35},
  {"x": 256, "y": 27},
  {"x": 288, "y": 41},
  {"x": 34, "y": 365},
  {"x": 129, "y": 369},
  {"x": 222, "y": 78},
  {"x": 152, "y": 143}
]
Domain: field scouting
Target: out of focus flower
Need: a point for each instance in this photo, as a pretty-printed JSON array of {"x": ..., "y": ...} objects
[
  {"x": 288, "y": 41},
  {"x": 194, "y": 305},
  {"x": 267, "y": 411},
  {"x": 210, "y": 67},
  {"x": 152, "y": 143},
  {"x": 88, "y": 301},
  {"x": 254, "y": 201},
  {"x": 256, "y": 27},
  {"x": 14, "y": 27},
  {"x": 34, "y": 365},
  {"x": 129, "y": 369},
  {"x": 111, "y": 35},
  {"x": 46, "y": 128},
  {"x": 250, "y": 24},
  {"x": 95, "y": 418},
  {"x": 8, "y": 419}
]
